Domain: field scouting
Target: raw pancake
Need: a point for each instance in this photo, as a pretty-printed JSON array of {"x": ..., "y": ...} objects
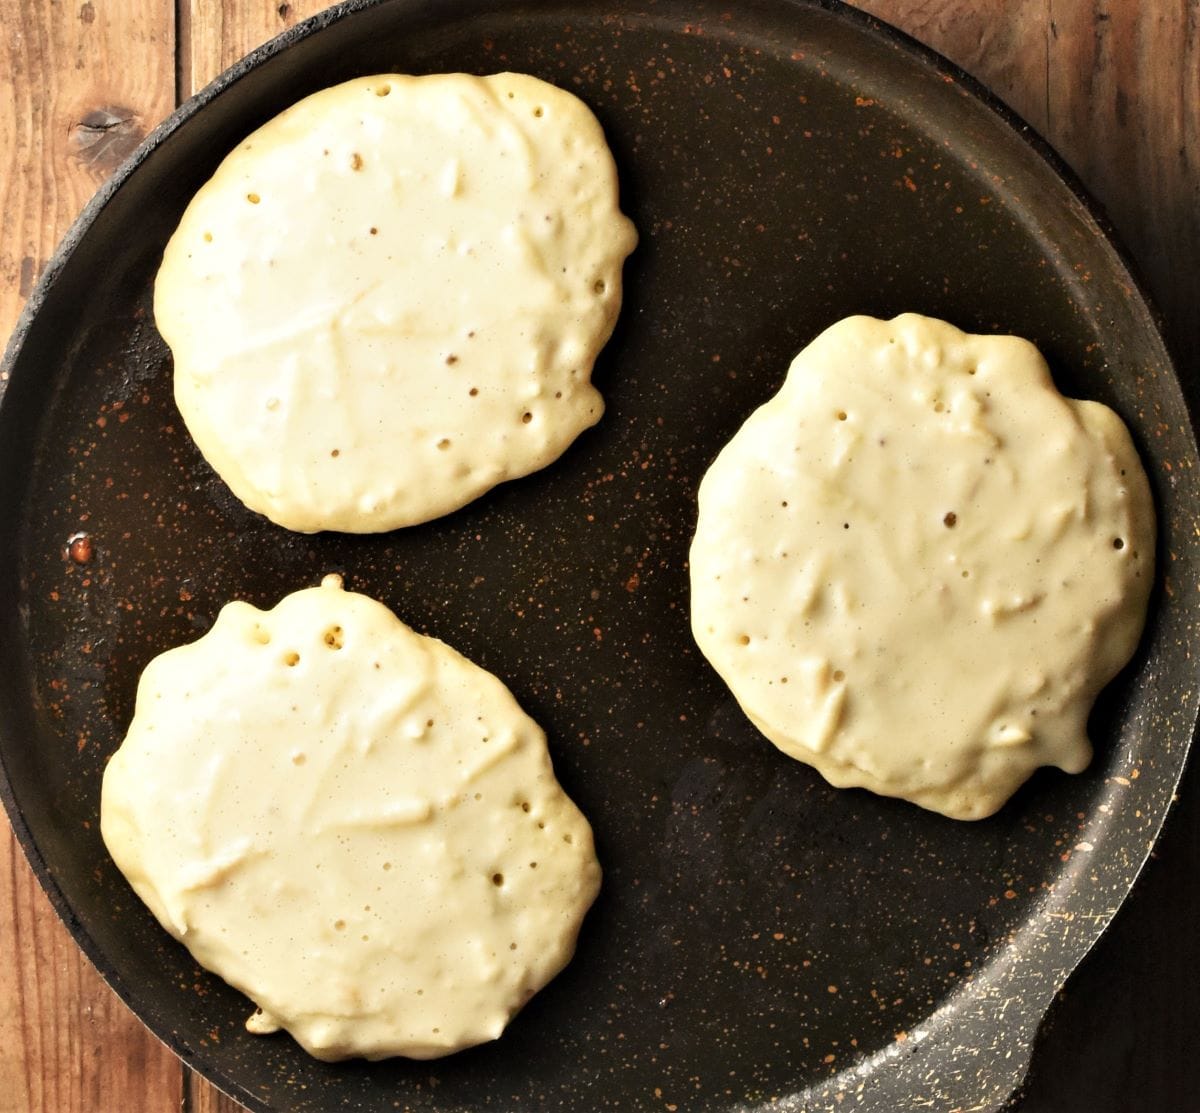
[
  {"x": 389, "y": 298},
  {"x": 352, "y": 824},
  {"x": 917, "y": 565}
]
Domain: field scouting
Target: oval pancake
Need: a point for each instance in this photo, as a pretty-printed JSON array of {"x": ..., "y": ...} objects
[
  {"x": 918, "y": 564},
  {"x": 350, "y": 823},
  {"x": 389, "y": 298}
]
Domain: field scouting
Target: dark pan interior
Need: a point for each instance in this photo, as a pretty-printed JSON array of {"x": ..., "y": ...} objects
[{"x": 759, "y": 934}]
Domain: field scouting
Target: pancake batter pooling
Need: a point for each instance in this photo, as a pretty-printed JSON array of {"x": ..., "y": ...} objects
[
  {"x": 389, "y": 298},
  {"x": 350, "y": 823},
  {"x": 918, "y": 564}
]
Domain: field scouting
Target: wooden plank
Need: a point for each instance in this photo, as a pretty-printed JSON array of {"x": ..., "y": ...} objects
[
  {"x": 1002, "y": 43},
  {"x": 200, "y": 1097},
  {"x": 214, "y": 36},
  {"x": 1115, "y": 89},
  {"x": 1125, "y": 102},
  {"x": 1124, "y": 107},
  {"x": 73, "y": 108},
  {"x": 67, "y": 1043}
]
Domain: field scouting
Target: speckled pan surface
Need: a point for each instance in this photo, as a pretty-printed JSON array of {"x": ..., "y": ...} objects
[{"x": 761, "y": 938}]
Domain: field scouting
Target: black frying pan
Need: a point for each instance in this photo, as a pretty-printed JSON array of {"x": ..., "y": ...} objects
[{"x": 760, "y": 935}]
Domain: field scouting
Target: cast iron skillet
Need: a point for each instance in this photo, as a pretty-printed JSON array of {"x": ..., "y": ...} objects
[{"x": 760, "y": 936}]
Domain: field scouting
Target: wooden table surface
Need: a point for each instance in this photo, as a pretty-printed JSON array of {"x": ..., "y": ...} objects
[{"x": 1114, "y": 85}]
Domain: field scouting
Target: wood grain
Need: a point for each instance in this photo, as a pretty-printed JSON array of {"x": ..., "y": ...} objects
[
  {"x": 1114, "y": 85},
  {"x": 66, "y": 1042},
  {"x": 217, "y": 35},
  {"x": 73, "y": 108},
  {"x": 1125, "y": 91},
  {"x": 201, "y": 1097},
  {"x": 214, "y": 36},
  {"x": 1003, "y": 43}
]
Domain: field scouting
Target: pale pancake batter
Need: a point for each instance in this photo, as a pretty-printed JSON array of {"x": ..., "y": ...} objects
[
  {"x": 918, "y": 564},
  {"x": 389, "y": 298},
  {"x": 352, "y": 824}
]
